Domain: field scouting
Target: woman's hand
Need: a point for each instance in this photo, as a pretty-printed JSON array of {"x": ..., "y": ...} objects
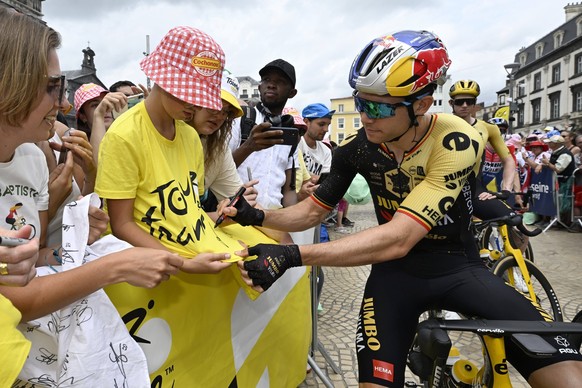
[
  {"x": 208, "y": 263},
  {"x": 17, "y": 264}
]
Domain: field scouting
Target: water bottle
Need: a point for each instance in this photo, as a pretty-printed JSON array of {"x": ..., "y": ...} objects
[
  {"x": 489, "y": 257},
  {"x": 462, "y": 374}
]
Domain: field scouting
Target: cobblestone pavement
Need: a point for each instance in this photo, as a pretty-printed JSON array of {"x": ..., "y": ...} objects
[{"x": 557, "y": 253}]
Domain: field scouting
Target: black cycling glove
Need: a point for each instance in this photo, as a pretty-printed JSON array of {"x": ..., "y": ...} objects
[
  {"x": 248, "y": 215},
  {"x": 271, "y": 263}
]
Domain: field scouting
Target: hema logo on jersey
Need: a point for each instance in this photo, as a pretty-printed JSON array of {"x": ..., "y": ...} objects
[{"x": 383, "y": 370}]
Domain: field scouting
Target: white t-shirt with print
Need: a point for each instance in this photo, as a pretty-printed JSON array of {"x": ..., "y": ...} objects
[
  {"x": 24, "y": 189},
  {"x": 318, "y": 159}
]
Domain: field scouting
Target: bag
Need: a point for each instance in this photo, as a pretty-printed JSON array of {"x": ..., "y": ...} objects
[{"x": 247, "y": 122}]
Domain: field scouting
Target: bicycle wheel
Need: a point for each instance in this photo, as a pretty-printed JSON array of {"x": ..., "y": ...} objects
[
  {"x": 492, "y": 240},
  {"x": 545, "y": 294}
]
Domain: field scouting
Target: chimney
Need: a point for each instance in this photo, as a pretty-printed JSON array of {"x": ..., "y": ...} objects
[{"x": 573, "y": 10}]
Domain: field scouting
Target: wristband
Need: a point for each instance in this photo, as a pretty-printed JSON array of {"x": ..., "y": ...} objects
[{"x": 247, "y": 215}]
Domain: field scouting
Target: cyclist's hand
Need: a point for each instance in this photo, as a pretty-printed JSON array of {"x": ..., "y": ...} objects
[
  {"x": 485, "y": 196},
  {"x": 271, "y": 263},
  {"x": 242, "y": 212}
]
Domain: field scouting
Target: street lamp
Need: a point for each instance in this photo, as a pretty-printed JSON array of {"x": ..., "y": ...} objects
[{"x": 511, "y": 69}]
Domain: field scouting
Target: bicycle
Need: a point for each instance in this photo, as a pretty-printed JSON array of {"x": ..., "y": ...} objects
[
  {"x": 430, "y": 352},
  {"x": 522, "y": 274}
]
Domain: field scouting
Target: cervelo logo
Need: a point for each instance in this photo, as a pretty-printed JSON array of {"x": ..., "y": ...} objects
[
  {"x": 206, "y": 63},
  {"x": 383, "y": 370}
]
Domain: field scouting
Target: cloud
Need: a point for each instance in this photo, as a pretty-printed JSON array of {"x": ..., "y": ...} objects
[{"x": 319, "y": 38}]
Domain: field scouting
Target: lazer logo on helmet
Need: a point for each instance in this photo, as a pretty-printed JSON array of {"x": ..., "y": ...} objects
[{"x": 391, "y": 55}]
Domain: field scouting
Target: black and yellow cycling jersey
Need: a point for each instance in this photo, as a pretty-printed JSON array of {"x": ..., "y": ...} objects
[{"x": 433, "y": 184}]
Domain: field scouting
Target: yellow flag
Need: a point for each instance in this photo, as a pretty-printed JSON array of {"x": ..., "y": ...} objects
[
  {"x": 502, "y": 112},
  {"x": 206, "y": 331}
]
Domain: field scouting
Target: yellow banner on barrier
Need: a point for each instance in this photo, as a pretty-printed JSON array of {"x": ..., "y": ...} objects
[{"x": 205, "y": 331}]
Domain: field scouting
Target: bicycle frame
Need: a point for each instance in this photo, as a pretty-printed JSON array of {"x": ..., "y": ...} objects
[{"x": 494, "y": 372}]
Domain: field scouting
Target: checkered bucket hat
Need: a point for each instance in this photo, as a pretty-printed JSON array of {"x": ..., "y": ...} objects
[{"x": 188, "y": 64}]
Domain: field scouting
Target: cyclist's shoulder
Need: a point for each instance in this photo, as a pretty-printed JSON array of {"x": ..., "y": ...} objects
[{"x": 453, "y": 133}]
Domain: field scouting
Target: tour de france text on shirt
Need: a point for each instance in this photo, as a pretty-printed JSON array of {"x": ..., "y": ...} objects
[{"x": 174, "y": 199}]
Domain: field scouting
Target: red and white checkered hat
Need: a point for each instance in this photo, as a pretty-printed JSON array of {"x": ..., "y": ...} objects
[
  {"x": 85, "y": 93},
  {"x": 188, "y": 64}
]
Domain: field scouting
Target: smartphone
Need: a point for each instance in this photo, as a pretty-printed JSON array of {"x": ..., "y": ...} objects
[
  {"x": 290, "y": 135},
  {"x": 131, "y": 102},
  {"x": 64, "y": 150}
]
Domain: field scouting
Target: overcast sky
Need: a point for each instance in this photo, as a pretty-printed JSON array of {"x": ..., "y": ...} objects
[{"x": 320, "y": 38}]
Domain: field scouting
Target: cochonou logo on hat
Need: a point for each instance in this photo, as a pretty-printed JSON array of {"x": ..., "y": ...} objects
[{"x": 206, "y": 63}]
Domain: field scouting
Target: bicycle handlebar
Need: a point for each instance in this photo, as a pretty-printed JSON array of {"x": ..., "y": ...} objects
[
  {"x": 502, "y": 328},
  {"x": 513, "y": 220}
]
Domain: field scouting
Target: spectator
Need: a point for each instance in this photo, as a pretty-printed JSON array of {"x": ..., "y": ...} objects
[
  {"x": 561, "y": 161},
  {"x": 569, "y": 143},
  {"x": 273, "y": 165},
  {"x": 150, "y": 153},
  {"x": 95, "y": 106}
]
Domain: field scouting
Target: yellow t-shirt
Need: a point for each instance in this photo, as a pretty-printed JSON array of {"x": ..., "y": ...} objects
[
  {"x": 164, "y": 176},
  {"x": 14, "y": 347}
]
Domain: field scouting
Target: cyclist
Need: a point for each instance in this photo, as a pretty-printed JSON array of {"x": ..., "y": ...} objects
[
  {"x": 496, "y": 157},
  {"x": 421, "y": 169}
]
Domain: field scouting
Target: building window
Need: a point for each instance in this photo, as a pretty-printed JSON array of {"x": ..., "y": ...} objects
[
  {"x": 502, "y": 99},
  {"x": 341, "y": 123},
  {"x": 556, "y": 73},
  {"x": 521, "y": 116},
  {"x": 539, "y": 50},
  {"x": 522, "y": 58},
  {"x": 245, "y": 92},
  {"x": 356, "y": 122},
  {"x": 578, "y": 101},
  {"x": 558, "y": 37},
  {"x": 340, "y": 138},
  {"x": 535, "y": 109},
  {"x": 554, "y": 106},
  {"x": 578, "y": 64},
  {"x": 340, "y": 108},
  {"x": 537, "y": 81},
  {"x": 521, "y": 89},
  {"x": 255, "y": 92},
  {"x": 579, "y": 27}
]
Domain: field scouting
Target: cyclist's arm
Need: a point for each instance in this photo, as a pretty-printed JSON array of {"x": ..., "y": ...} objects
[
  {"x": 509, "y": 173},
  {"x": 389, "y": 241}
]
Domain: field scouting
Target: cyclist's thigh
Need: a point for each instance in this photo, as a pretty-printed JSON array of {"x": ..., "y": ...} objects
[{"x": 386, "y": 326}]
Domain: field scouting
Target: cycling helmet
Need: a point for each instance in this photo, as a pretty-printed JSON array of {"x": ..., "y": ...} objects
[
  {"x": 466, "y": 86},
  {"x": 399, "y": 64},
  {"x": 499, "y": 121}
]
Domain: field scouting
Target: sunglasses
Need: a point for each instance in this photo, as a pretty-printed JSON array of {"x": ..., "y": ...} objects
[
  {"x": 377, "y": 110},
  {"x": 56, "y": 87},
  {"x": 468, "y": 101}
]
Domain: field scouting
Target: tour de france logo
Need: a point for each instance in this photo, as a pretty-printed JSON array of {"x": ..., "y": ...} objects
[{"x": 206, "y": 63}]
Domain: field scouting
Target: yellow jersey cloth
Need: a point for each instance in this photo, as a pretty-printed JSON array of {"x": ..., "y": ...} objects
[
  {"x": 14, "y": 347},
  {"x": 164, "y": 176}
]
